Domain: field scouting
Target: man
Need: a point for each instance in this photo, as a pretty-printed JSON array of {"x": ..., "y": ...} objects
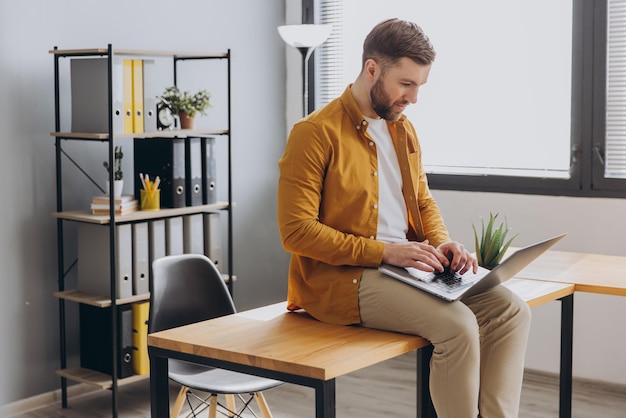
[{"x": 353, "y": 194}]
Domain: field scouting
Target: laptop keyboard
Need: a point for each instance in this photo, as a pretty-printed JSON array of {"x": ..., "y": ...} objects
[{"x": 450, "y": 282}]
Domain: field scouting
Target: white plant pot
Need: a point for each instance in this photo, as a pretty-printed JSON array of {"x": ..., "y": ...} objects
[{"x": 118, "y": 185}]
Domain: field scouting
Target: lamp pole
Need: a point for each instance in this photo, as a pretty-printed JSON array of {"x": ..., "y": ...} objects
[{"x": 306, "y": 54}]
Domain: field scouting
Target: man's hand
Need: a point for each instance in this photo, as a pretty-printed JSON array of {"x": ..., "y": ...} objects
[
  {"x": 420, "y": 255},
  {"x": 460, "y": 259}
]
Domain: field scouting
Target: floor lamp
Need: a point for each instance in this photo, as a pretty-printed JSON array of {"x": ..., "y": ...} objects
[{"x": 305, "y": 38}]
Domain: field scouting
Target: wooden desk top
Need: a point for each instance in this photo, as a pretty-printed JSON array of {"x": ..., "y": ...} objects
[
  {"x": 537, "y": 292},
  {"x": 292, "y": 342},
  {"x": 593, "y": 273}
]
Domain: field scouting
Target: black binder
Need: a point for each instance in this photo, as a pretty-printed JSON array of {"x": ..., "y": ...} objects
[
  {"x": 95, "y": 339},
  {"x": 193, "y": 171},
  {"x": 163, "y": 157},
  {"x": 209, "y": 169}
]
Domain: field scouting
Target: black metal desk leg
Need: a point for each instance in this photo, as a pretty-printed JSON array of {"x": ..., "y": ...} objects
[
  {"x": 159, "y": 387},
  {"x": 325, "y": 399},
  {"x": 567, "y": 346},
  {"x": 425, "y": 408}
]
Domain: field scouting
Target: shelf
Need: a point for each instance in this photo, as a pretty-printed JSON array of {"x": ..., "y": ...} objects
[
  {"x": 140, "y": 215},
  {"x": 137, "y": 52},
  {"x": 92, "y": 377},
  {"x": 108, "y": 135},
  {"x": 97, "y": 300},
  {"x": 174, "y": 133},
  {"x": 104, "y": 301}
]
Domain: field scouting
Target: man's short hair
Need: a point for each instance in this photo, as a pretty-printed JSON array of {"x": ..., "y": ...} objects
[{"x": 393, "y": 39}]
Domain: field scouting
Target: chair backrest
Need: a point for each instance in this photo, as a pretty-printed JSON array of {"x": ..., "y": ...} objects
[{"x": 186, "y": 289}]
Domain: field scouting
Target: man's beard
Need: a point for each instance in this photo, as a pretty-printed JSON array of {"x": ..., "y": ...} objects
[{"x": 381, "y": 103}]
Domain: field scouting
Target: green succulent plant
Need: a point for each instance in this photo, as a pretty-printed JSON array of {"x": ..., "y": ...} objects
[
  {"x": 185, "y": 102},
  {"x": 117, "y": 163},
  {"x": 492, "y": 245}
]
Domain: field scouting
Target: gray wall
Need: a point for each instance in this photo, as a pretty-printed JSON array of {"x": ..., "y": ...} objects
[{"x": 28, "y": 30}]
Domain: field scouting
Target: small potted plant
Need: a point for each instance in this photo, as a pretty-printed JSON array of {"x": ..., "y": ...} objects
[
  {"x": 492, "y": 244},
  {"x": 118, "y": 175},
  {"x": 186, "y": 105}
]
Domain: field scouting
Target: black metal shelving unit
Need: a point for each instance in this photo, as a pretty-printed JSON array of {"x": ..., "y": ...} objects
[{"x": 84, "y": 375}]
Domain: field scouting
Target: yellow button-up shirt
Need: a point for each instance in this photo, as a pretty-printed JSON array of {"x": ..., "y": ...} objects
[{"x": 328, "y": 207}]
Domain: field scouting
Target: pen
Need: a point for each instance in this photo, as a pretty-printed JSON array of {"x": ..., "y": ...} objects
[{"x": 143, "y": 183}]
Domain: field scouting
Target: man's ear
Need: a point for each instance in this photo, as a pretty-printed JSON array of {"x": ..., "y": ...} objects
[{"x": 371, "y": 69}]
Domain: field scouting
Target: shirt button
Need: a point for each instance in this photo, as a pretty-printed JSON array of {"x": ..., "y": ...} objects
[
  {"x": 371, "y": 143},
  {"x": 375, "y": 206},
  {"x": 363, "y": 123},
  {"x": 372, "y": 237},
  {"x": 375, "y": 173},
  {"x": 355, "y": 281}
]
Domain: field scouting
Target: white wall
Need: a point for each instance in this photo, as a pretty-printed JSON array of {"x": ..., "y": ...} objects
[
  {"x": 593, "y": 225},
  {"x": 28, "y": 30}
]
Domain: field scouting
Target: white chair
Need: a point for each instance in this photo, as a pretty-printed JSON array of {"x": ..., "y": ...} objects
[{"x": 186, "y": 289}]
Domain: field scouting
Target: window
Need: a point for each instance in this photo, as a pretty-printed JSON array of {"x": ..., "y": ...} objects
[
  {"x": 525, "y": 96},
  {"x": 610, "y": 148}
]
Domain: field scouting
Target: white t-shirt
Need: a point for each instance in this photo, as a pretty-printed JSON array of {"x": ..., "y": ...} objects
[{"x": 393, "y": 218}]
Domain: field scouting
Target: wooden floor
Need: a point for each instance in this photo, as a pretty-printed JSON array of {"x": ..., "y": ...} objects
[{"x": 383, "y": 390}]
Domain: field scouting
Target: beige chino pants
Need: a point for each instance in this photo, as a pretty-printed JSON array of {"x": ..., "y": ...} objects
[{"x": 479, "y": 344}]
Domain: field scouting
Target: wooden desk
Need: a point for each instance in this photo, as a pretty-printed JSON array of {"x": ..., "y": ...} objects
[
  {"x": 591, "y": 273},
  {"x": 271, "y": 342},
  {"x": 551, "y": 266},
  {"x": 596, "y": 273},
  {"x": 295, "y": 348},
  {"x": 537, "y": 293}
]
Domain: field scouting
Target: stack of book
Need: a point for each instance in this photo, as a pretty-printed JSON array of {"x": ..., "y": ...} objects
[{"x": 123, "y": 205}]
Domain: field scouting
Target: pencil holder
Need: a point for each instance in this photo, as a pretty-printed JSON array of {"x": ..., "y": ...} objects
[{"x": 152, "y": 200}]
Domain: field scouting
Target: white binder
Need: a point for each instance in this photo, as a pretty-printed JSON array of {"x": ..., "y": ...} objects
[
  {"x": 94, "y": 260},
  {"x": 156, "y": 241},
  {"x": 90, "y": 94},
  {"x": 213, "y": 238},
  {"x": 141, "y": 284},
  {"x": 174, "y": 236},
  {"x": 156, "y": 238},
  {"x": 150, "y": 94},
  {"x": 193, "y": 234}
]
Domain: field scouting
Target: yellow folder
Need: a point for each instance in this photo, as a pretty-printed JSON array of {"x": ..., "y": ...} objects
[
  {"x": 138, "y": 96},
  {"x": 141, "y": 361},
  {"x": 128, "y": 96}
]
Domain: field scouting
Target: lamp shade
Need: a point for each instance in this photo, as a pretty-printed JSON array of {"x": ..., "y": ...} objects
[{"x": 305, "y": 36}]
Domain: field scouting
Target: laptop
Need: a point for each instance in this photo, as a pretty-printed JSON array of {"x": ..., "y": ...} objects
[{"x": 454, "y": 286}]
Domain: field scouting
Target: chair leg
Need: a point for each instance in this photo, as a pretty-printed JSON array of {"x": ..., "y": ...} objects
[
  {"x": 213, "y": 406},
  {"x": 180, "y": 400},
  {"x": 230, "y": 404},
  {"x": 260, "y": 400}
]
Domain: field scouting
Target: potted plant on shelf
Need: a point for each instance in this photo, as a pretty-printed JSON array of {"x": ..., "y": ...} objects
[
  {"x": 118, "y": 175},
  {"x": 492, "y": 244},
  {"x": 185, "y": 105}
]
